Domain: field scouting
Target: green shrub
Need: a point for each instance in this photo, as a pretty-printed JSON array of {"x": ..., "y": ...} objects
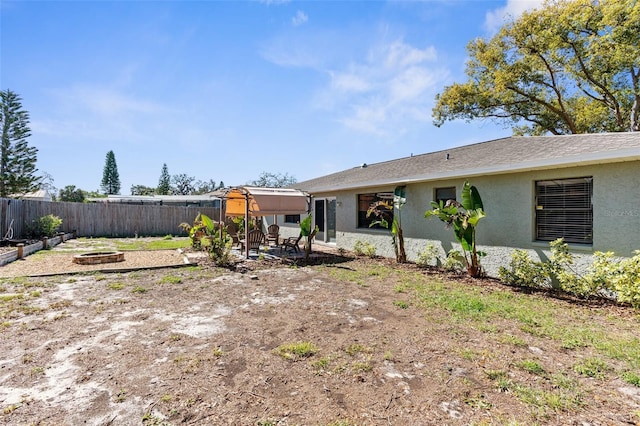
[
  {"x": 606, "y": 276},
  {"x": 523, "y": 271},
  {"x": 46, "y": 226},
  {"x": 428, "y": 257},
  {"x": 364, "y": 248},
  {"x": 626, "y": 280},
  {"x": 454, "y": 262},
  {"x": 219, "y": 248}
]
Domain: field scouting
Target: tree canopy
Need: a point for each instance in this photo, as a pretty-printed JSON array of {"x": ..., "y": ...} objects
[
  {"x": 17, "y": 158},
  {"x": 274, "y": 180},
  {"x": 72, "y": 194},
  {"x": 110, "y": 178},
  {"x": 572, "y": 66}
]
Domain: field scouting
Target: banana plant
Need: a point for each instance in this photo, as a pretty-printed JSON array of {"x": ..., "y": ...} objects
[
  {"x": 306, "y": 231},
  {"x": 463, "y": 218}
]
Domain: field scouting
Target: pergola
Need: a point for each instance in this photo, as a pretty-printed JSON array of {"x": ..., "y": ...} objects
[{"x": 257, "y": 201}]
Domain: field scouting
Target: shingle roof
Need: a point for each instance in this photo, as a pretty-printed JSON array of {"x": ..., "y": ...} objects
[{"x": 512, "y": 154}]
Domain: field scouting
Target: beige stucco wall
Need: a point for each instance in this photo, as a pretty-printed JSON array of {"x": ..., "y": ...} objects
[{"x": 509, "y": 204}]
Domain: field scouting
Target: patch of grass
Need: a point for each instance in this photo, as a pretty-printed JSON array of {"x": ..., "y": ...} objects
[
  {"x": 116, "y": 285},
  {"x": 513, "y": 340},
  {"x": 217, "y": 352},
  {"x": 321, "y": 364},
  {"x": 591, "y": 367},
  {"x": 171, "y": 279},
  {"x": 356, "y": 348},
  {"x": 138, "y": 289},
  {"x": 631, "y": 378},
  {"x": 296, "y": 350},
  {"x": 531, "y": 366},
  {"x": 10, "y": 297},
  {"x": 400, "y": 304},
  {"x": 361, "y": 367}
]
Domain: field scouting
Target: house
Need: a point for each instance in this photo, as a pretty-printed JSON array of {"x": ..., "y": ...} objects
[
  {"x": 584, "y": 188},
  {"x": 203, "y": 200},
  {"x": 38, "y": 195}
]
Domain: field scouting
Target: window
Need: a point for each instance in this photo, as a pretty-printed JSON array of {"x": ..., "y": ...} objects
[
  {"x": 445, "y": 194},
  {"x": 564, "y": 210},
  {"x": 292, "y": 218},
  {"x": 365, "y": 201}
]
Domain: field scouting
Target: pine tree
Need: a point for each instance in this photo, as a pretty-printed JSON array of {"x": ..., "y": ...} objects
[
  {"x": 110, "y": 184},
  {"x": 17, "y": 158},
  {"x": 164, "y": 183}
]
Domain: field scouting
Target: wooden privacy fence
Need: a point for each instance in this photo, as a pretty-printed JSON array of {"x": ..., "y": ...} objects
[{"x": 100, "y": 219}]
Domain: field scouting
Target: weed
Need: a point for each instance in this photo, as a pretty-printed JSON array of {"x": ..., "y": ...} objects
[
  {"x": 171, "y": 279},
  {"x": 364, "y": 248},
  {"x": 531, "y": 366},
  {"x": 401, "y": 288},
  {"x": 495, "y": 374},
  {"x": 321, "y": 364},
  {"x": 116, "y": 285},
  {"x": 297, "y": 350},
  {"x": 166, "y": 398},
  {"x": 139, "y": 289},
  {"x": 217, "y": 352},
  {"x": 388, "y": 356},
  {"x": 513, "y": 340},
  {"x": 400, "y": 304},
  {"x": 121, "y": 396},
  {"x": 361, "y": 367},
  {"x": 591, "y": 367},
  {"x": 37, "y": 370},
  {"x": 479, "y": 402},
  {"x": 356, "y": 348},
  {"x": 631, "y": 378}
]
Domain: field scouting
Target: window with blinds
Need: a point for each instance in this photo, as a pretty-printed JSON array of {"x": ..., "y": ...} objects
[{"x": 564, "y": 210}]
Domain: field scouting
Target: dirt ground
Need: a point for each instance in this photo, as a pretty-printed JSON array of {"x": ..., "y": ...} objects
[{"x": 198, "y": 346}]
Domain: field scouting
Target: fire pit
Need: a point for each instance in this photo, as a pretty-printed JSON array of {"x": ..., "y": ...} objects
[{"x": 98, "y": 257}]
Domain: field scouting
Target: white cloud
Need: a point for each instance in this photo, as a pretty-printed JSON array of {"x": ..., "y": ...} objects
[
  {"x": 512, "y": 10},
  {"x": 388, "y": 91},
  {"x": 299, "y": 19}
]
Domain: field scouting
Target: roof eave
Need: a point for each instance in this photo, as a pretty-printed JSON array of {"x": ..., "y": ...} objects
[{"x": 618, "y": 156}]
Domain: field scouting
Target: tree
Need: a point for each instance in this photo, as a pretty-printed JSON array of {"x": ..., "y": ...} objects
[
  {"x": 17, "y": 158},
  {"x": 571, "y": 67},
  {"x": 220, "y": 185},
  {"x": 110, "y": 184},
  {"x": 204, "y": 187},
  {"x": 164, "y": 183},
  {"x": 274, "y": 180},
  {"x": 142, "y": 190},
  {"x": 73, "y": 194},
  {"x": 46, "y": 184},
  {"x": 182, "y": 184}
]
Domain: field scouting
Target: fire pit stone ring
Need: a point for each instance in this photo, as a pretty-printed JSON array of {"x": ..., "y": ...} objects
[{"x": 95, "y": 258}]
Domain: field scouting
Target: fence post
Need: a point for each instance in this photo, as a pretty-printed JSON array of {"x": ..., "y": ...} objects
[{"x": 20, "y": 250}]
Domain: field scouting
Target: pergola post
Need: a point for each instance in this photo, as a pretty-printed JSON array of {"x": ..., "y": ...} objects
[{"x": 246, "y": 224}]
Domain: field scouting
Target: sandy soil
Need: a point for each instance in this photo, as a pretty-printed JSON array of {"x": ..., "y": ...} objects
[{"x": 198, "y": 346}]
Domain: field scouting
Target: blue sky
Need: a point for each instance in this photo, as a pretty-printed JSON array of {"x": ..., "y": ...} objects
[{"x": 226, "y": 90}]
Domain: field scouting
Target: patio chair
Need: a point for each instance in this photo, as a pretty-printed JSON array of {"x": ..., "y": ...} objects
[
  {"x": 291, "y": 243},
  {"x": 273, "y": 234},
  {"x": 232, "y": 231},
  {"x": 253, "y": 240}
]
